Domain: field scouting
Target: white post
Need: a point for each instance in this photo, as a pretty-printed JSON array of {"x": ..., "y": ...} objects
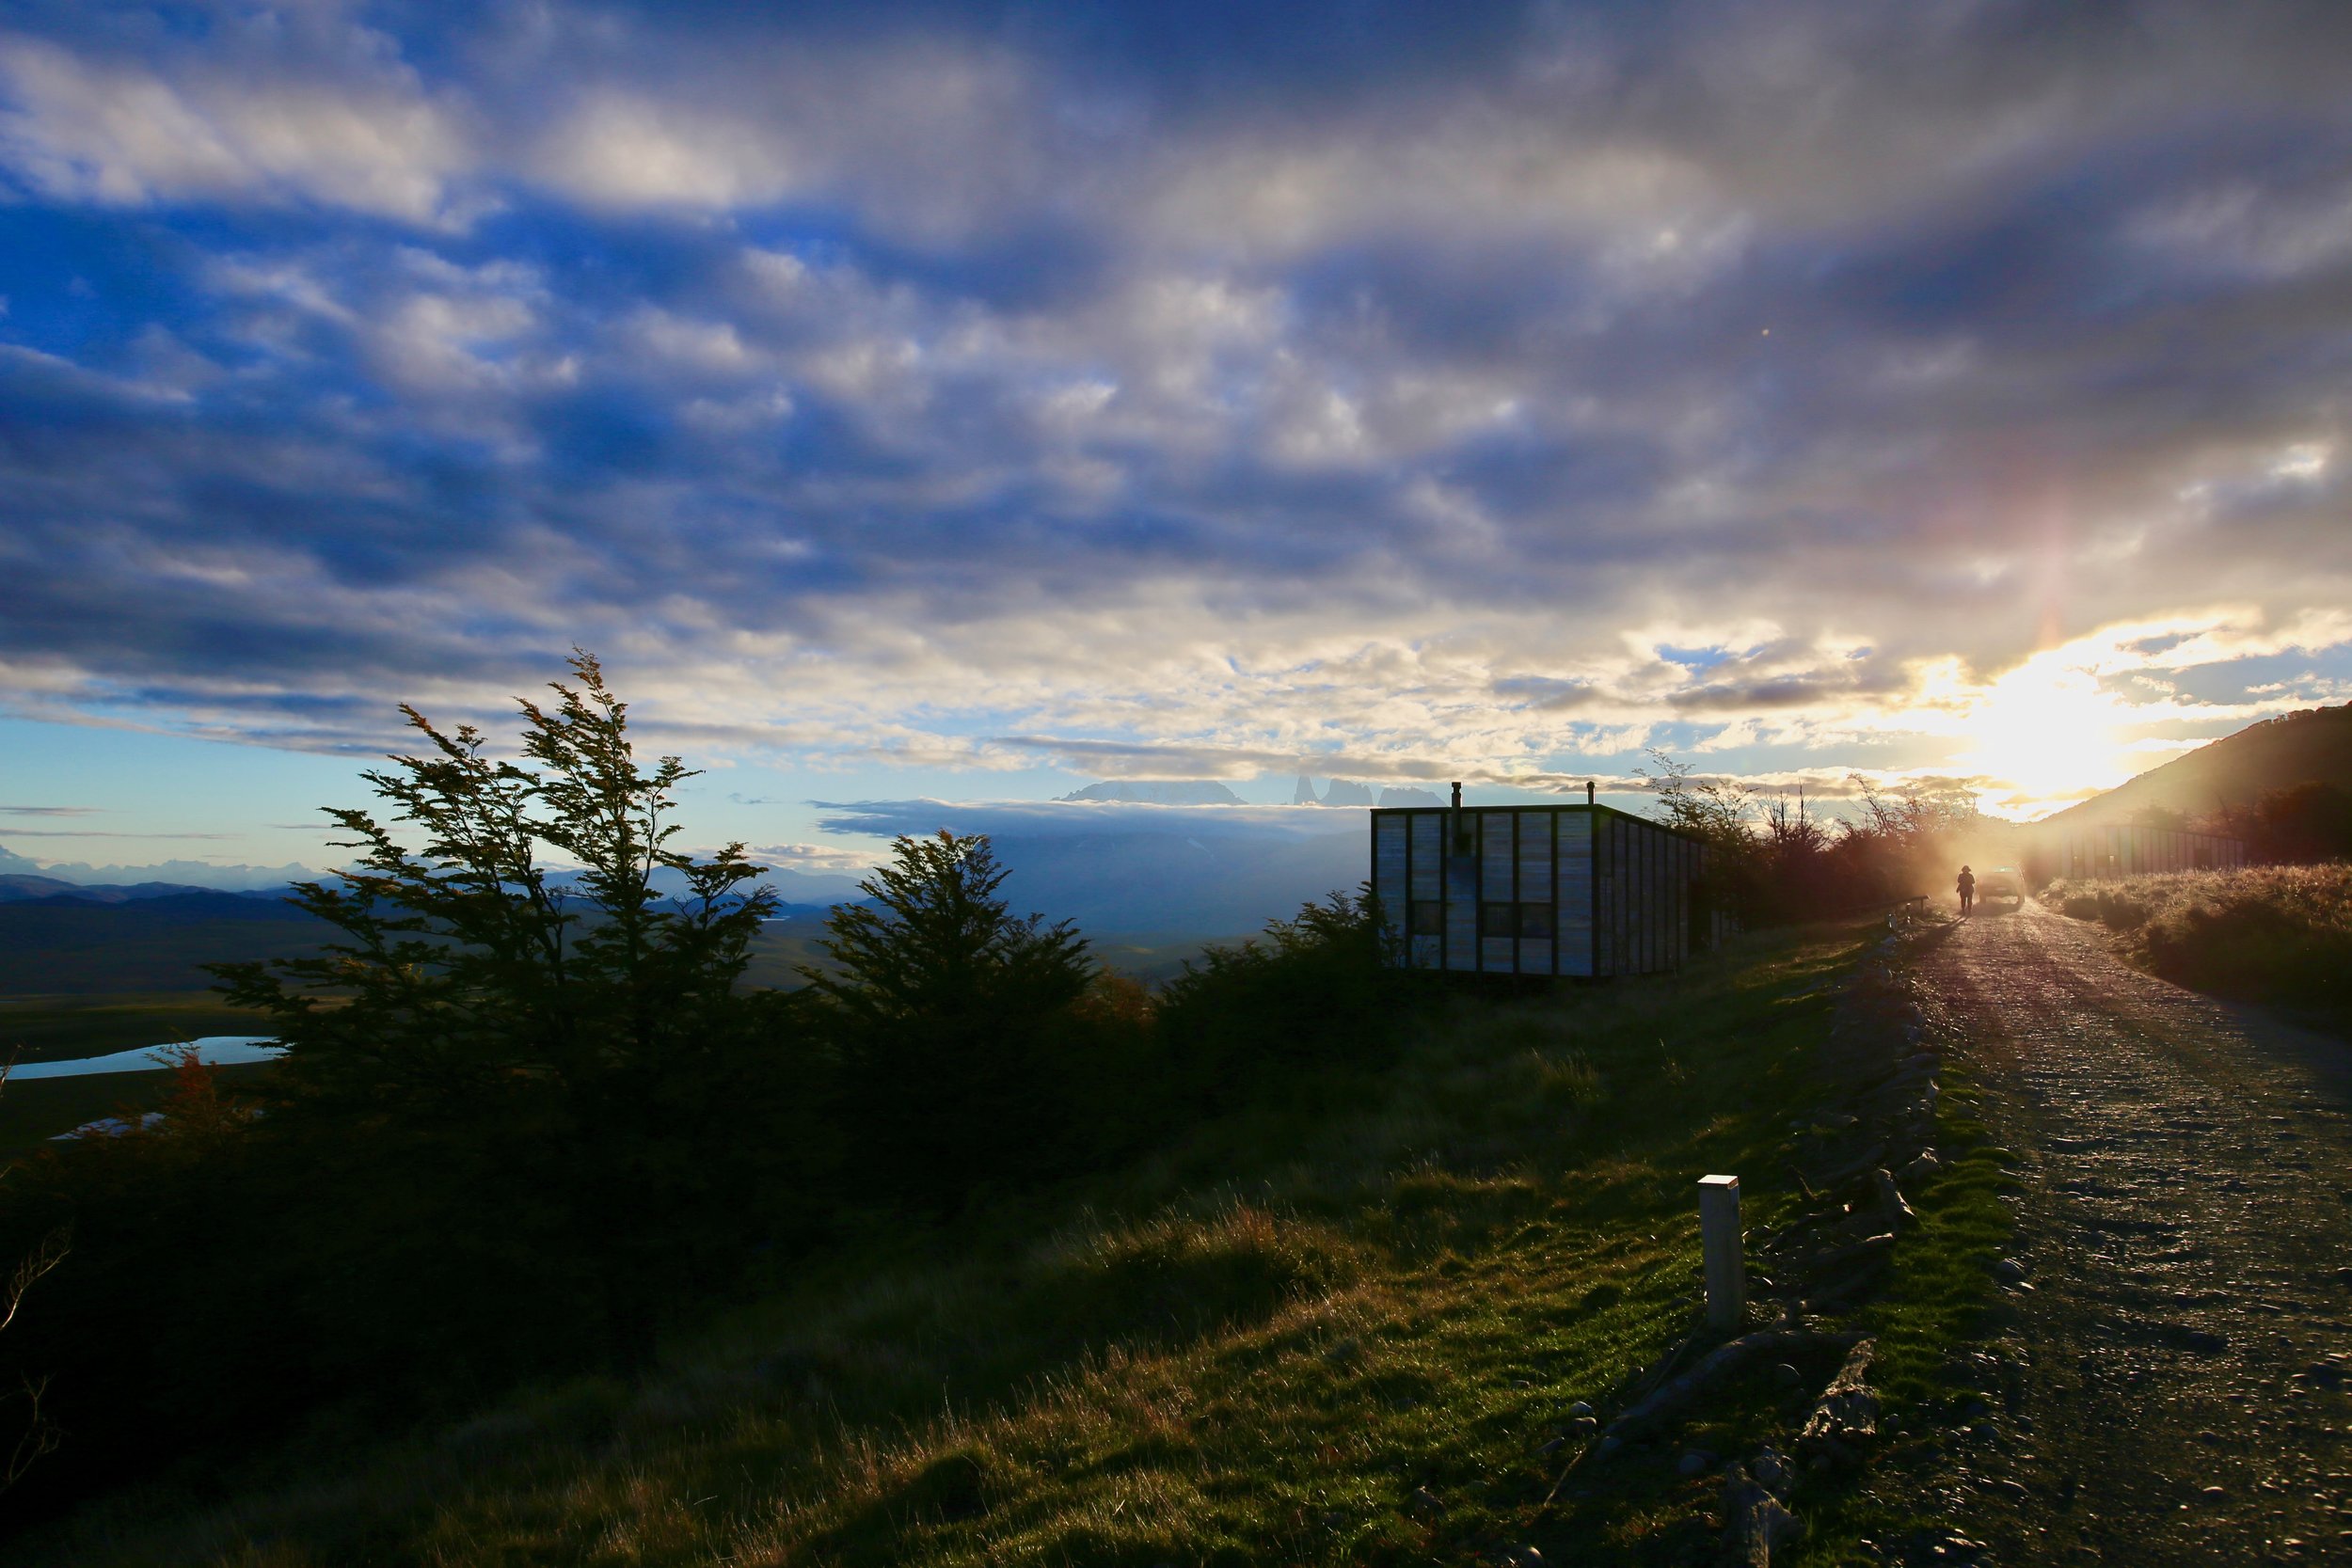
[{"x": 1718, "y": 1244}]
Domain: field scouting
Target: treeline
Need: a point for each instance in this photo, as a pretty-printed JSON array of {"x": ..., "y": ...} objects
[
  {"x": 523, "y": 1126},
  {"x": 1775, "y": 862},
  {"x": 2300, "y": 825}
]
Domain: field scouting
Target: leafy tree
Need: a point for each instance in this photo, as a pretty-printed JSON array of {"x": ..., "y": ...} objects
[
  {"x": 939, "y": 999},
  {"x": 567, "y": 1043}
]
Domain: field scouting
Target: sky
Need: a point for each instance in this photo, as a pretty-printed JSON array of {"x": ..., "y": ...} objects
[{"x": 969, "y": 402}]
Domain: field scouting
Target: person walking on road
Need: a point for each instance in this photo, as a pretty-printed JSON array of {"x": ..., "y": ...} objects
[{"x": 1967, "y": 889}]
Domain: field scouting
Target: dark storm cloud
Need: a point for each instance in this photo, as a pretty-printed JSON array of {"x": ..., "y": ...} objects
[{"x": 1222, "y": 385}]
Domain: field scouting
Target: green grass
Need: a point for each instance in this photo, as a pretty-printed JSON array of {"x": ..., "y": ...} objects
[
  {"x": 1277, "y": 1342},
  {"x": 1936, "y": 1302},
  {"x": 2269, "y": 933}
]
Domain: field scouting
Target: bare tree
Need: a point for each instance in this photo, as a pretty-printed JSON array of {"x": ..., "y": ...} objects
[{"x": 39, "y": 1436}]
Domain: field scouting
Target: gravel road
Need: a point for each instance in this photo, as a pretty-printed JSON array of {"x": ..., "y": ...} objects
[{"x": 2168, "y": 1382}]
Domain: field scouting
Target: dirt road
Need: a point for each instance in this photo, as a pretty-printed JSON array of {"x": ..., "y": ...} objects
[{"x": 2171, "y": 1384}]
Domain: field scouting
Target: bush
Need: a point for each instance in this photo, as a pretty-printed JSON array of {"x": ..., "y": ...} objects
[
  {"x": 2264, "y": 933},
  {"x": 1309, "y": 991}
]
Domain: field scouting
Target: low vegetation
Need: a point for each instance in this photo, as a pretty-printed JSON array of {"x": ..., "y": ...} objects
[
  {"x": 1337, "y": 1325},
  {"x": 2269, "y": 933},
  {"x": 1775, "y": 862}
]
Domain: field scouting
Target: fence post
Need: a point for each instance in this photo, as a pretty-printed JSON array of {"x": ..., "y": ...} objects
[{"x": 1719, "y": 1244}]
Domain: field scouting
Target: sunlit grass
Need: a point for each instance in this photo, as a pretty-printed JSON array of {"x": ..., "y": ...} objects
[
  {"x": 1334, "y": 1333},
  {"x": 2268, "y": 933}
]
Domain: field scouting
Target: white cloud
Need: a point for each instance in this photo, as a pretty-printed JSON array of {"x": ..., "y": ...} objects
[{"x": 122, "y": 135}]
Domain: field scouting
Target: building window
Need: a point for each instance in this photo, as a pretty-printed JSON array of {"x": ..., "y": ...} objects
[
  {"x": 1428, "y": 917},
  {"x": 1498, "y": 920},
  {"x": 1535, "y": 921}
]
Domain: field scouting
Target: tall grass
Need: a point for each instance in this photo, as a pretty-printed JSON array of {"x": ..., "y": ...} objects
[
  {"x": 1334, "y": 1333},
  {"x": 2266, "y": 933}
]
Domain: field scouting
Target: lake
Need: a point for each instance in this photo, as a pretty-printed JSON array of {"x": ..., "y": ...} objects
[{"x": 212, "y": 1050}]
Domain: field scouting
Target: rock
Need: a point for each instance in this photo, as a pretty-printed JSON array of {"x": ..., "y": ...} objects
[
  {"x": 1696, "y": 1462},
  {"x": 1523, "y": 1557},
  {"x": 1583, "y": 1426},
  {"x": 1759, "y": 1527},
  {"x": 1607, "y": 1446},
  {"x": 1926, "y": 1163},
  {"x": 1786, "y": 1376},
  {"x": 1580, "y": 1409},
  {"x": 2009, "y": 1271},
  {"x": 1552, "y": 1446},
  {"x": 1845, "y": 1414},
  {"x": 1425, "y": 1502},
  {"x": 1890, "y": 1198},
  {"x": 1774, "y": 1472}
]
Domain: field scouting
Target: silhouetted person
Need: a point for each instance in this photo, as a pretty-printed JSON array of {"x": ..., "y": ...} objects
[{"x": 1967, "y": 889}]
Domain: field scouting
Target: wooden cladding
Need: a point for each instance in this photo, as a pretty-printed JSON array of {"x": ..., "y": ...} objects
[{"x": 1537, "y": 890}]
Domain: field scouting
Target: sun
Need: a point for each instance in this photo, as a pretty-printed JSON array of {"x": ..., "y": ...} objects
[{"x": 2044, "y": 733}]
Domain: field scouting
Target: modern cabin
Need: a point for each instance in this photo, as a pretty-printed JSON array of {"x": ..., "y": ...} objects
[
  {"x": 1538, "y": 890},
  {"x": 2094, "y": 854}
]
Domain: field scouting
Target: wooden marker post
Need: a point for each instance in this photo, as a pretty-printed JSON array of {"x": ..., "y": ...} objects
[{"x": 1719, "y": 1244}]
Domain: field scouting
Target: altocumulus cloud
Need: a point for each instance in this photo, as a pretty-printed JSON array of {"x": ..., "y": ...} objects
[{"x": 1209, "y": 382}]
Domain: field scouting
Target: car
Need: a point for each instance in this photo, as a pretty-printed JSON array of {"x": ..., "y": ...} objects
[{"x": 2002, "y": 881}]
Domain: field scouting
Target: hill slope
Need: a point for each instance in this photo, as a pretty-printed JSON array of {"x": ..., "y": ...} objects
[{"x": 2236, "y": 771}]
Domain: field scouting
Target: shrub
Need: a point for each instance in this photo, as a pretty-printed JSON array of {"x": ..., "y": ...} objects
[{"x": 1307, "y": 991}]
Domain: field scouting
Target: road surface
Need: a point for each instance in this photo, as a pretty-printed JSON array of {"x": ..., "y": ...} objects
[{"x": 2169, "y": 1384}]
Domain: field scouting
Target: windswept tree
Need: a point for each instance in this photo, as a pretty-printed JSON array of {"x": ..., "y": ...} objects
[
  {"x": 567, "y": 1032},
  {"x": 942, "y": 1000}
]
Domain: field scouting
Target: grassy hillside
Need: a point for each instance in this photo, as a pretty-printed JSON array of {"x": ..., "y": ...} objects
[
  {"x": 2235, "y": 771},
  {"x": 1341, "y": 1329},
  {"x": 2278, "y": 933},
  {"x": 54, "y": 946}
]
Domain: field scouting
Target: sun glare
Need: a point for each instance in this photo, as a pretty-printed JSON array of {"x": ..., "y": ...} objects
[{"x": 2045, "y": 734}]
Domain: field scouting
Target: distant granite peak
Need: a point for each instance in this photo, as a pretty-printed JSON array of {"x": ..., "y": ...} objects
[{"x": 1159, "y": 792}]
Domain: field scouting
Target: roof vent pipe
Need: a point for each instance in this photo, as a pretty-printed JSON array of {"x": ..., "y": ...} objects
[
  {"x": 1589, "y": 796},
  {"x": 1457, "y": 797}
]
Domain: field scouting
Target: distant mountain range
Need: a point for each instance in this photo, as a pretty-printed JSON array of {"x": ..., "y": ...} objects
[
  {"x": 1158, "y": 792},
  {"x": 2236, "y": 771}
]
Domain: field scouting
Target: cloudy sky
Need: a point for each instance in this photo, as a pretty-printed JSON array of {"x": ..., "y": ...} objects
[{"x": 974, "y": 401}]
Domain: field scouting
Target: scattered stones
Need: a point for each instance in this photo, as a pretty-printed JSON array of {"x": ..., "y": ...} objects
[{"x": 1696, "y": 1462}]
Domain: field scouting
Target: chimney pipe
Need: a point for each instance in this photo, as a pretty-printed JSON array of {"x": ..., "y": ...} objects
[
  {"x": 1457, "y": 796},
  {"x": 1589, "y": 796}
]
